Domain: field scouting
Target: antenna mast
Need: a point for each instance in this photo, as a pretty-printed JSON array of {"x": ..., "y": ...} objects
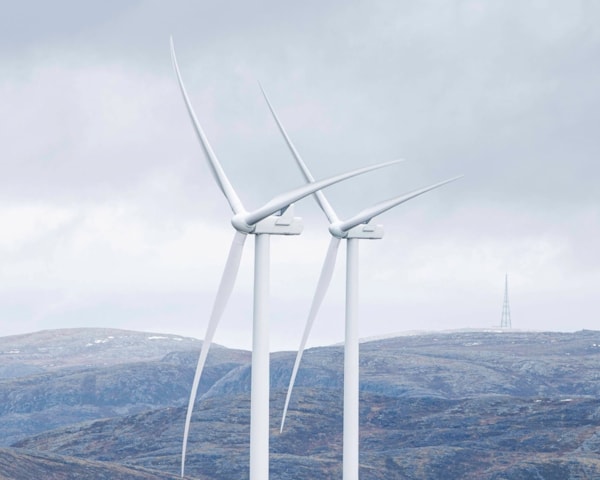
[{"x": 505, "y": 322}]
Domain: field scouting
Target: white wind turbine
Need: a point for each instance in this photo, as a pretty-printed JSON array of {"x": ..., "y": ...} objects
[
  {"x": 352, "y": 229},
  {"x": 273, "y": 218}
]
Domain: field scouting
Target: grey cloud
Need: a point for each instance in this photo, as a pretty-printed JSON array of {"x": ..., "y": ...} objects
[{"x": 503, "y": 92}]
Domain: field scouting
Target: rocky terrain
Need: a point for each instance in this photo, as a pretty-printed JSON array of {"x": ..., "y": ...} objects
[
  {"x": 62, "y": 377},
  {"x": 463, "y": 405},
  {"x": 32, "y": 465}
]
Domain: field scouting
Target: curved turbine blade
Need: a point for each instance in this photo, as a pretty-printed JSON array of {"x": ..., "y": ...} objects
[
  {"x": 324, "y": 280},
  {"x": 319, "y": 196},
  {"x": 215, "y": 166},
  {"x": 371, "y": 212},
  {"x": 225, "y": 288},
  {"x": 285, "y": 199}
]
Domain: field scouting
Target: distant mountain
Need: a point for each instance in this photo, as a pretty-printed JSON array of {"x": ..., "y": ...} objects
[
  {"x": 459, "y": 405},
  {"x": 62, "y": 377},
  {"x": 51, "y": 350}
]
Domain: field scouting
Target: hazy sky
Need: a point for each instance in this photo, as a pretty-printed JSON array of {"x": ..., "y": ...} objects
[{"x": 110, "y": 217}]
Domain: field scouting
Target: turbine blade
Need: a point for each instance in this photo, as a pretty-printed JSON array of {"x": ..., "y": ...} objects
[
  {"x": 322, "y": 286},
  {"x": 371, "y": 212},
  {"x": 225, "y": 288},
  {"x": 285, "y": 199},
  {"x": 213, "y": 162},
  {"x": 319, "y": 196}
]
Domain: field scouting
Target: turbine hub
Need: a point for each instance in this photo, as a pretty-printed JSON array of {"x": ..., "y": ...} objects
[
  {"x": 239, "y": 223},
  {"x": 336, "y": 231}
]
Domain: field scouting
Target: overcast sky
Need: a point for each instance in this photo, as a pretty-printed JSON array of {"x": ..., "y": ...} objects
[{"x": 110, "y": 217}]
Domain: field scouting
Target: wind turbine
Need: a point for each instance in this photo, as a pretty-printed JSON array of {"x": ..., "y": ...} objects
[
  {"x": 352, "y": 229},
  {"x": 273, "y": 218}
]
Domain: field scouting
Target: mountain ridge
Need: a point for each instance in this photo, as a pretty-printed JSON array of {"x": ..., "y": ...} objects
[{"x": 459, "y": 405}]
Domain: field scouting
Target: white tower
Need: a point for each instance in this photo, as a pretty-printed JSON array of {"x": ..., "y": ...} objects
[{"x": 505, "y": 321}]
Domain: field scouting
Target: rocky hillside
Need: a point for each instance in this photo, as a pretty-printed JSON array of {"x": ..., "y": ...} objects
[
  {"x": 56, "y": 378},
  {"x": 15, "y": 464},
  {"x": 466, "y": 405}
]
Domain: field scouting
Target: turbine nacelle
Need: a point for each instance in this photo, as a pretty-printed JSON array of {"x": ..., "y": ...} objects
[
  {"x": 365, "y": 231},
  {"x": 282, "y": 223}
]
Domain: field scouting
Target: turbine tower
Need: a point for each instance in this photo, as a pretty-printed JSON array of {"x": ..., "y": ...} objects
[
  {"x": 505, "y": 321},
  {"x": 352, "y": 230},
  {"x": 273, "y": 218}
]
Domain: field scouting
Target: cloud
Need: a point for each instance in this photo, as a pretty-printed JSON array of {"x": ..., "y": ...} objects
[{"x": 112, "y": 216}]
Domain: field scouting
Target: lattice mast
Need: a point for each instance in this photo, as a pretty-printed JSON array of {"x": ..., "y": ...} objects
[{"x": 505, "y": 321}]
